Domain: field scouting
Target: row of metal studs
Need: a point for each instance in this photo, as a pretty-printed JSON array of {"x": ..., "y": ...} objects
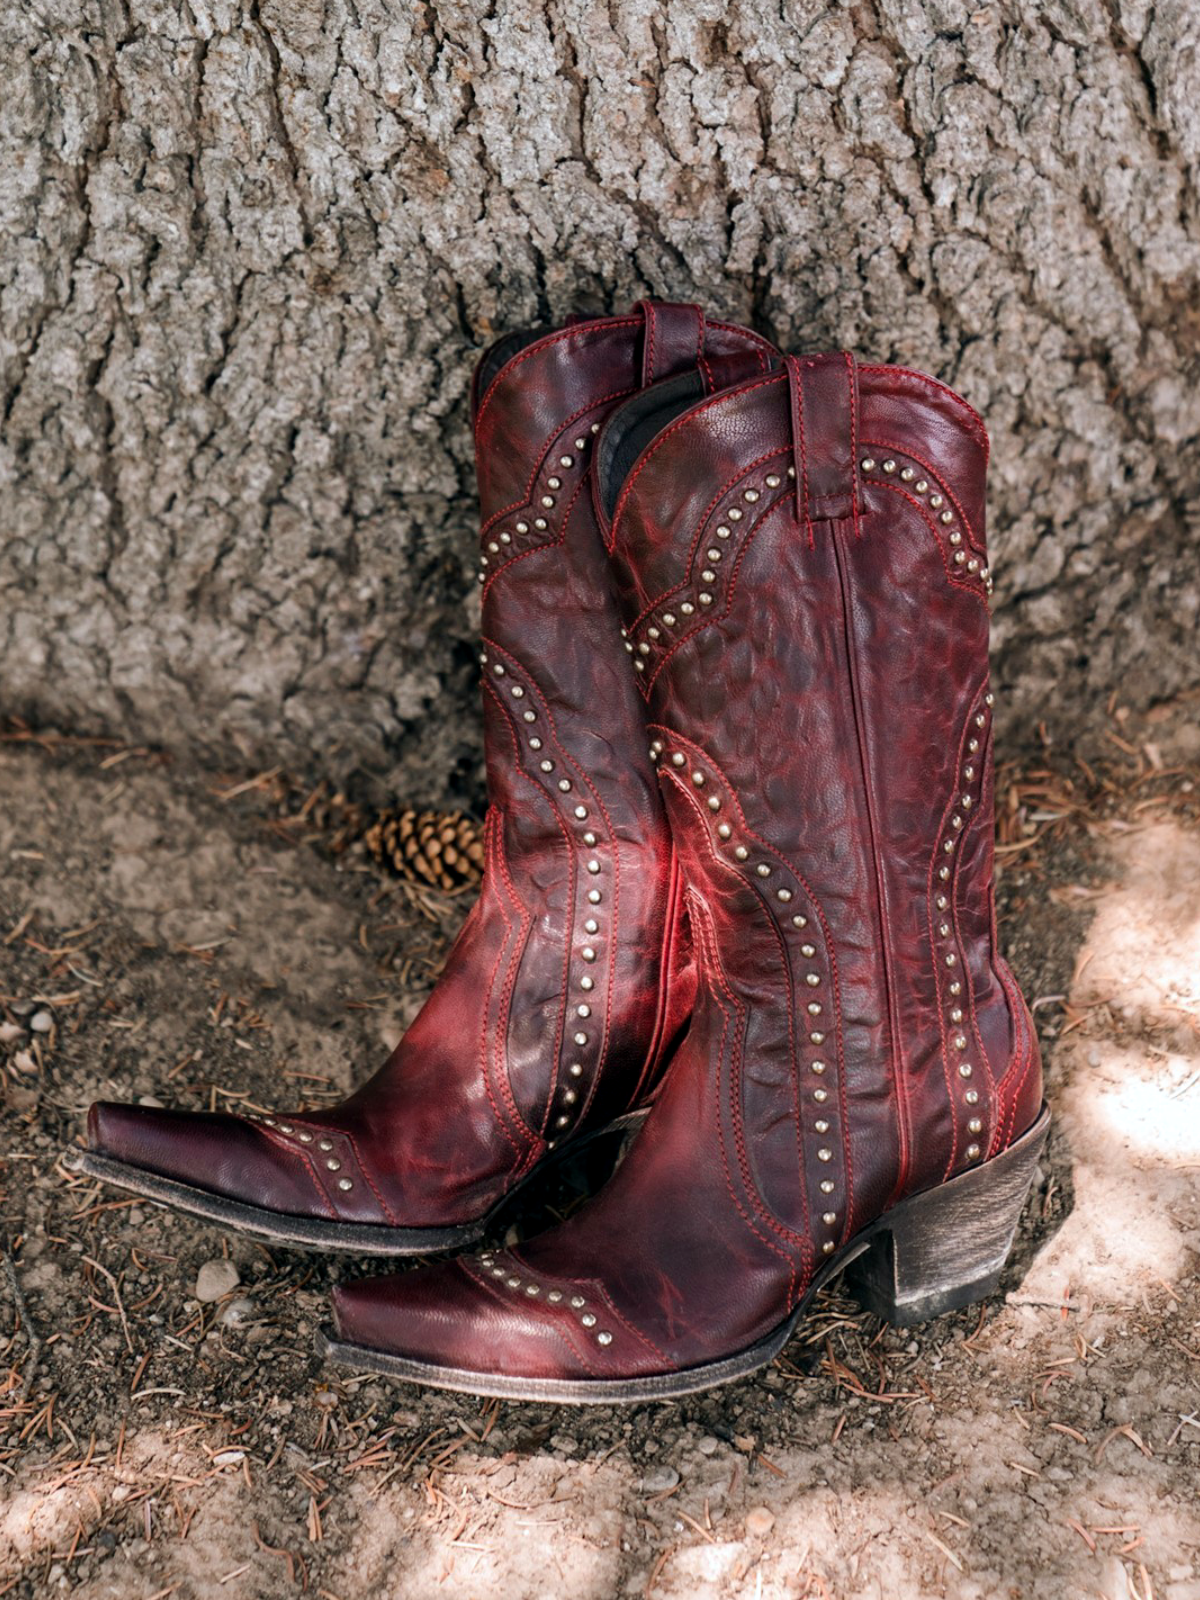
[
  {"x": 763, "y": 869},
  {"x": 946, "y": 931},
  {"x": 714, "y": 555},
  {"x": 500, "y": 542},
  {"x": 936, "y": 502},
  {"x": 332, "y": 1164},
  {"x": 583, "y": 1010},
  {"x": 533, "y": 1290}
]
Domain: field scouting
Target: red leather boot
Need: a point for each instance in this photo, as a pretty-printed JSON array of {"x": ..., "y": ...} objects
[
  {"x": 805, "y": 584},
  {"x": 572, "y": 977}
]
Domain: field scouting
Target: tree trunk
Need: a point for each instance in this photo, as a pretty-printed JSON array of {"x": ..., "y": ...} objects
[{"x": 252, "y": 250}]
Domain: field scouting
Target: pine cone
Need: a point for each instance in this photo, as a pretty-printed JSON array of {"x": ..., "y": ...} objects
[{"x": 433, "y": 847}]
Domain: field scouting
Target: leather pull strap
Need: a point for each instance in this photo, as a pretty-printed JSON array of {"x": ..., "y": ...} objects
[
  {"x": 823, "y": 394},
  {"x": 673, "y": 340}
]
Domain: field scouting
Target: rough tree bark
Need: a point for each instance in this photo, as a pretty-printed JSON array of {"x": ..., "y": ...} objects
[{"x": 252, "y": 248}]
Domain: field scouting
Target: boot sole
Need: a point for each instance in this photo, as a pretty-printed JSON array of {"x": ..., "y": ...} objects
[
  {"x": 932, "y": 1253},
  {"x": 318, "y": 1233}
]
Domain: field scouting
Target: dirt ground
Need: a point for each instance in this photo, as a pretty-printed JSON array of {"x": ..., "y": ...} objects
[{"x": 163, "y": 936}]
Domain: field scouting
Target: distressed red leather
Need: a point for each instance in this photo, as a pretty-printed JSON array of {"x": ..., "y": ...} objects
[
  {"x": 803, "y": 571},
  {"x": 572, "y": 976}
]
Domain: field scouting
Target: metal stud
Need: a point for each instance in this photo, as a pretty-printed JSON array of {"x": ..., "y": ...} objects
[
  {"x": 943, "y": 930},
  {"x": 955, "y": 537},
  {"x": 581, "y": 813},
  {"x": 750, "y": 495},
  {"x": 868, "y": 464},
  {"x": 669, "y": 618},
  {"x": 822, "y": 1126},
  {"x": 820, "y": 1096},
  {"x": 583, "y": 1011},
  {"x": 783, "y": 894},
  {"x": 587, "y": 983},
  {"x": 935, "y": 500},
  {"x": 735, "y": 514},
  {"x": 972, "y": 1097},
  {"x": 594, "y": 897},
  {"x": 333, "y": 1164},
  {"x": 814, "y": 1008},
  {"x": 575, "y": 1069},
  {"x": 678, "y": 760},
  {"x": 522, "y": 527},
  {"x": 533, "y": 1290},
  {"x": 688, "y": 608},
  {"x": 698, "y": 778},
  {"x": 654, "y": 633},
  {"x": 812, "y": 979},
  {"x": 947, "y": 516},
  {"x": 714, "y": 802},
  {"x": 960, "y": 557},
  {"x": 345, "y": 1184},
  {"x": 973, "y": 1152},
  {"x": 827, "y": 1186},
  {"x": 529, "y": 716},
  {"x": 286, "y": 1127},
  {"x": 562, "y": 1122},
  {"x": 713, "y": 555},
  {"x": 554, "y": 1296},
  {"x": 547, "y": 501},
  {"x": 705, "y": 598},
  {"x": 889, "y": 466},
  {"x": 577, "y": 1301},
  {"x": 956, "y": 1014},
  {"x": 799, "y": 920},
  {"x": 956, "y": 987},
  {"x": 724, "y": 830},
  {"x": 569, "y": 1097},
  {"x": 807, "y": 949},
  {"x": 540, "y": 524},
  {"x": 588, "y": 1319},
  {"x": 829, "y": 1218},
  {"x": 964, "y": 1069},
  {"x": 817, "y": 1038},
  {"x": 568, "y": 461},
  {"x": 827, "y": 1248},
  {"x": 604, "y": 1337},
  {"x": 546, "y": 766},
  {"x": 818, "y": 1067},
  {"x": 824, "y": 1153},
  {"x": 763, "y": 870},
  {"x": 580, "y": 1038},
  {"x": 951, "y": 959},
  {"x": 322, "y": 1144},
  {"x": 773, "y": 480},
  {"x": 920, "y": 486},
  {"x": 907, "y": 474},
  {"x": 513, "y": 1283},
  {"x": 588, "y": 953},
  {"x": 580, "y": 444},
  {"x": 722, "y": 532},
  {"x": 943, "y": 873},
  {"x": 975, "y": 1125},
  {"x": 741, "y": 852},
  {"x": 593, "y": 866},
  {"x": 535, "y": 743},
  {"x": 941, "y": 902},
  {"x": 305, "y": 1138},
  {"x": 565, "y": 785},
  {"x": 960, "y": 1041}
]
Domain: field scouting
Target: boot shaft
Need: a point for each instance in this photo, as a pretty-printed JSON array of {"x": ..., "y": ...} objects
[
  {"x": 582, "y": 885},
  {"x": 803, "y": 569}
]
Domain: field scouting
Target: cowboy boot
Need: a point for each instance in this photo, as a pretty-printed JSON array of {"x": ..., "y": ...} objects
[
  {"x": 805, "y": 584},
  {"x": 572, "y": 976}
]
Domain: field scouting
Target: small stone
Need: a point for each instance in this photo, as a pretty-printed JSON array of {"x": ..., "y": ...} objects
[
  {"x": 660, "y": 1480},
  {"x": 150, "y": 1100},
  {"x": 229, "y": 1458},
  {"x": 759, "y": 1522},
  {"x": 10, "y": 1032},
  {"x": 237, "y": 1312},
  {"x": 215, "y": 1280},
  {"x": 708, "y": 1446},
  {"x": 41, "y": 1022}
]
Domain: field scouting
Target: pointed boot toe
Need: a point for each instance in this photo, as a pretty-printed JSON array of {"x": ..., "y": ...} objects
[{"x": 283, "y": 1180}]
